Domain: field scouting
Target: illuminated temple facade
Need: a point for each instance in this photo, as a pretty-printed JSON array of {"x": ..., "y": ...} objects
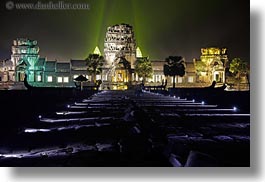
[
  {"x": 120, "y": 54},
  {"x": 25, "y": 56},
  {"x": 213, "y": 62},
  {"x": 25, "y": 60},
  {"x": 119, "y": 42}
]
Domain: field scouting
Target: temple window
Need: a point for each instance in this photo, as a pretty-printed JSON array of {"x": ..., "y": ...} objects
[
  {"x": 66, "y": 79},
  {"x": 158, "y": 78},
  {"x": 180, "y": 80},
  {"x": 39, "y": 78},
  {"x": 60, "y": 79},
  {"x": 89, "y": 78},
  {"x": 190, "y": 79},
  {"x": 98, "y": 77},
  {"x": 49, "y": 78}
]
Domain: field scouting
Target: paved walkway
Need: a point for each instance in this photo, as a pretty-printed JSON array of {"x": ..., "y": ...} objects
[{"x": 123, "y": 128}]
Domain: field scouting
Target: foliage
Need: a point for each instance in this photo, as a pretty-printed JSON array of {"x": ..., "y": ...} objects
[
  {"x": 174, "y": 66},
  {"x": 239, "y": 68},
  {"x": 143, "y": 68},
  {"x": 200, "y": 66},
  {"x": 94, "y": 64}
]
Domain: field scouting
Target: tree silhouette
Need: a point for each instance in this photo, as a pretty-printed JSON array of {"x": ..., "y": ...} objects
[
  {"x": 239, "y": 68},
  {"x": 94, "y": 64},
  {"x": 174, "y": 67},
  {"x": 143, "y": 68}
]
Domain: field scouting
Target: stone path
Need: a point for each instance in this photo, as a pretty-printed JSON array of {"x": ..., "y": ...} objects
[{"x": 120, "y": 128}]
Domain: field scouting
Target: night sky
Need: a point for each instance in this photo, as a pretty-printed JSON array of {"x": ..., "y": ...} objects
[{"x": 162, "y": 27}]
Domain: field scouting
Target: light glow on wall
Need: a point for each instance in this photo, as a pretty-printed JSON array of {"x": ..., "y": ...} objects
[
  {"x": 39, "y": 78},
  {"x": 49, "y": 78},
  {"x": 65, "y": 79},
  {"x": 190, "y": 79},
  {"x": 60, "y": 79},
  {"x": 75, "y": 76}
]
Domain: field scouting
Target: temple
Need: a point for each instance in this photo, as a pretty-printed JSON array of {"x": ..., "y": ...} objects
[
  {"x": 120, "y": 56},
  {"x": 215, "y": 62},
  {"x": 118, "y": 71},
  {"x": 25, "y": 56}
]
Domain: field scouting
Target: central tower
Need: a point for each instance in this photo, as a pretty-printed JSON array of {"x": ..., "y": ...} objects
[
  {"x": 120, "y": 55},
  {"x": 120, "y": 42}
]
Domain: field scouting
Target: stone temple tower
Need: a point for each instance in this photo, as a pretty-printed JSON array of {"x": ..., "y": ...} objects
[
  {"x": 25, "y": 54},
  {"x": 120, "y": 55},
  {"x": 120, "y": 42},
  {"x": 24, "y": 49}
]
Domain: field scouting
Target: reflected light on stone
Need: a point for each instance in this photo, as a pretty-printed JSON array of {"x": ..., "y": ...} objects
[
  {"x": 32, "y": 130},
  {"x": 11, "y": 155}
]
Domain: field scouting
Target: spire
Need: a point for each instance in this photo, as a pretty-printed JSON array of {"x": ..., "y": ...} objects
[
  {"x": 97, "y": 51},
  {"x": 138, "y": 53}
]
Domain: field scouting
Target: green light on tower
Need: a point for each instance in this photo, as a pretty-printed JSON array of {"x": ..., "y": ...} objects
[{"x": 97, "y": 51}]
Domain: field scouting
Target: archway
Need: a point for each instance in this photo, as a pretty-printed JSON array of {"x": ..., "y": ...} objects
[
  {"x": 21, "y": 71},
  {"x": 218, "y": 72}
]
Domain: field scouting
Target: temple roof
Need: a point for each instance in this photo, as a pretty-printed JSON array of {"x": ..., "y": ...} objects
[
  {"x": 213, "y": 51},
  {"x": 190, "y": 68},
  {"x": 6, "y": 63},
  {"x": 40, "y": 62},
  {"x": 97, "y": 51},
  {"x": 139, "y": 52},
  {"x": 78, "y": 64},
  {"x": 62, "y": 67},
  {"x": 50, "y": 66}
]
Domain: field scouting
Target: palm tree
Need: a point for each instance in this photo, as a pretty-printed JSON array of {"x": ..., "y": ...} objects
[
  {"x": 94, "y": 63},
  {"x": 174, "y": 67},
  {"x": 143, "y": 67},
  {"x": 239, "y": 68}
]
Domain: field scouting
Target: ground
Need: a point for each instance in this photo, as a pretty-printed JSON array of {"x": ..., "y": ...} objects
[{"x": 65, "y": 127}]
